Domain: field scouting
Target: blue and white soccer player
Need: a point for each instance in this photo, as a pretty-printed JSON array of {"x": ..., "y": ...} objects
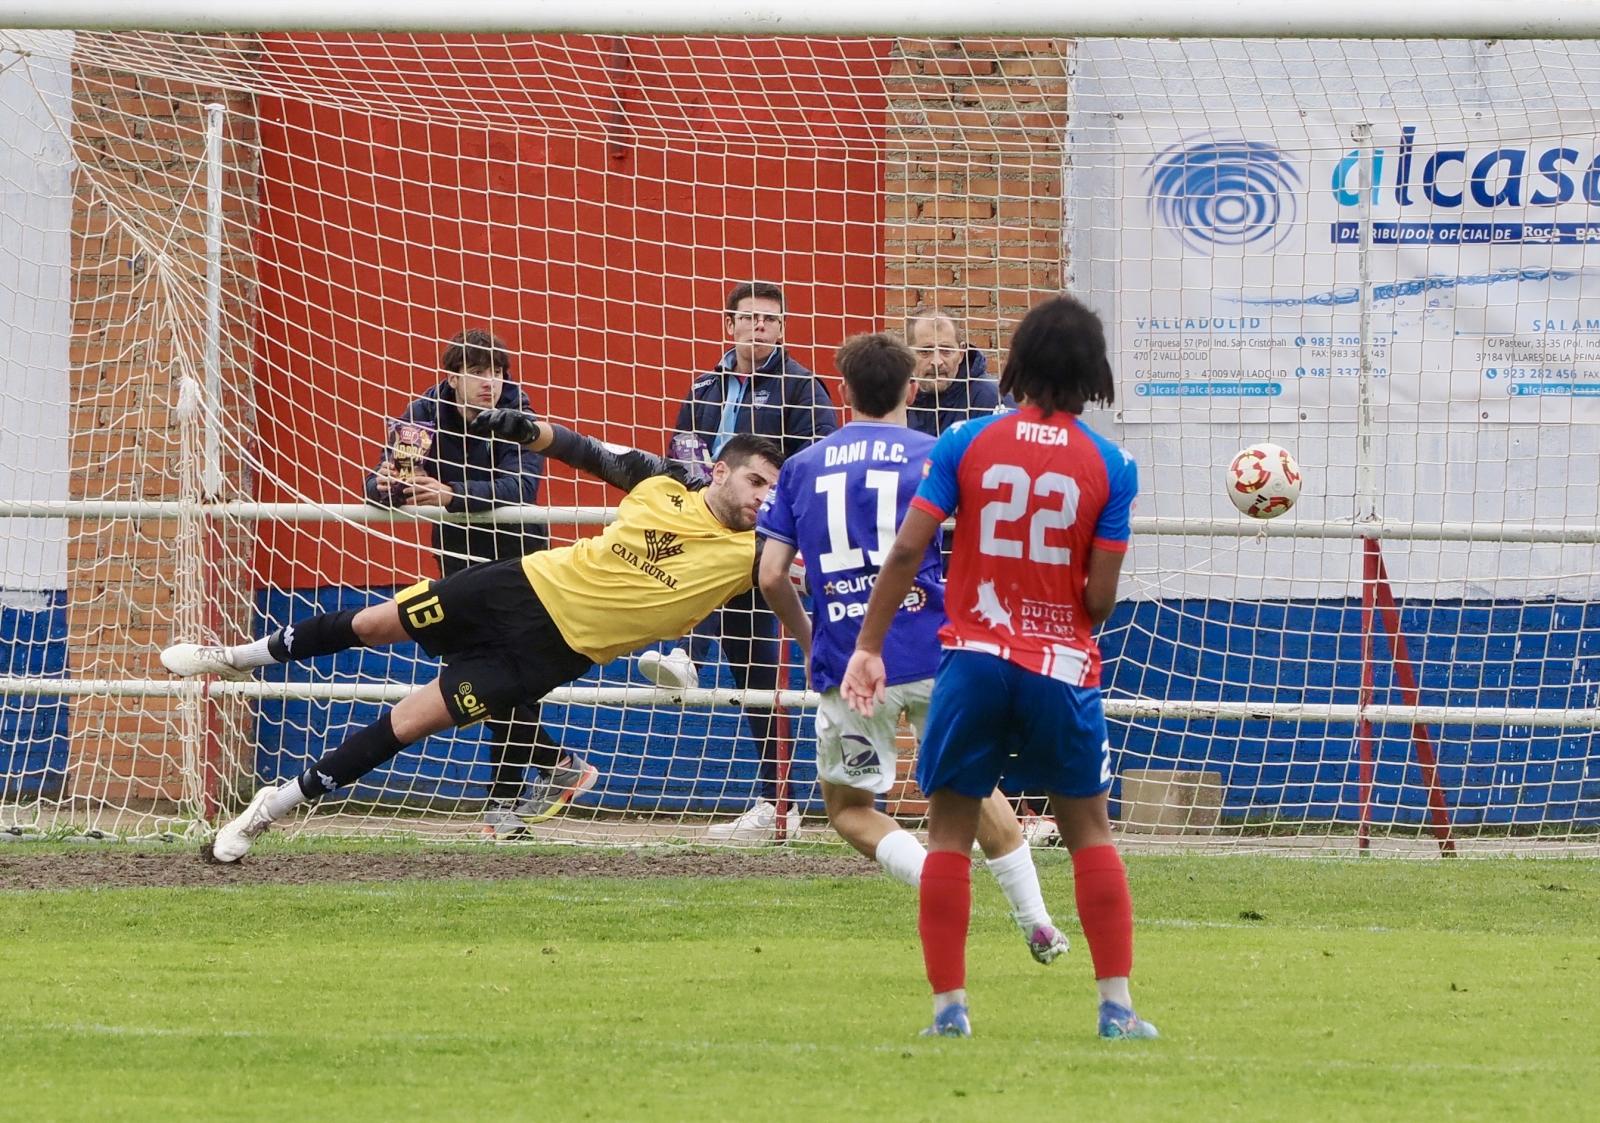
[
  {"x": 1043, "y": 526},
  {"x": 838, "y": 504}
]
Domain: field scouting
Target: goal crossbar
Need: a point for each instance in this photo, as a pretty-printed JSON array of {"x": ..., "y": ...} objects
[{"x": 1356, "y": 19}]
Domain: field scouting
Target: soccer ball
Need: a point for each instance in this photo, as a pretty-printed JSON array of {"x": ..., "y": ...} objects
[{"x": 1263, "y": 480}]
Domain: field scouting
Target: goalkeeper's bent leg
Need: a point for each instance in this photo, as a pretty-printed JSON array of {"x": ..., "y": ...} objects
[
  {"x": 322, "y": 634},
  {"x": 419, "y": 714}
]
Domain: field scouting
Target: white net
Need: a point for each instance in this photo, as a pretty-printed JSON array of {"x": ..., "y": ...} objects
[{"x": 232, "y": 263}]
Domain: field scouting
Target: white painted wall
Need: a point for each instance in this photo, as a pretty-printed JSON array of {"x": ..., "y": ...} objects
[{"x": 36, "y": 173}]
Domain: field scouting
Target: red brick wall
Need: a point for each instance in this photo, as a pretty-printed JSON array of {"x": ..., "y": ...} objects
[
  {"x": 138, "y": 269},
  {"x": 974, "y": 216},
  {"x": 973, "y": 208}
]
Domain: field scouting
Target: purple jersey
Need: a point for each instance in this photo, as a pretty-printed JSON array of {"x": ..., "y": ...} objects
[{"x": 840, "y": 502}]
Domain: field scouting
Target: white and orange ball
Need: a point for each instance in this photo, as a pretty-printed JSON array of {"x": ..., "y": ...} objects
[{"x": 1263, "y": 480}]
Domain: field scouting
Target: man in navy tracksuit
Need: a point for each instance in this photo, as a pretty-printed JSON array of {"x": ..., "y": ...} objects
[
  {"x": 755, "y": 388},
  {"x": 432, "y": 458},
  {"x": 953, "y": 380}
]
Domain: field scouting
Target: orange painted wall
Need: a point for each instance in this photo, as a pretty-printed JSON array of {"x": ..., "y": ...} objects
[{"x": 406, "y": 203}]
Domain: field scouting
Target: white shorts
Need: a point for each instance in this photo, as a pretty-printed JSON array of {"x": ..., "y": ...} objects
[{"x": 860, "y": 752}]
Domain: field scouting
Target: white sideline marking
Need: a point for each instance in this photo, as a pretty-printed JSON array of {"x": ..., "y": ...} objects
[
  {"x": 99, "y": 1028},
  {"x": 1183, "y": 922}
]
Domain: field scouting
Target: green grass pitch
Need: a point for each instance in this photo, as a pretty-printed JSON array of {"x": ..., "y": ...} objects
[{"x": 1284, "y": 989}]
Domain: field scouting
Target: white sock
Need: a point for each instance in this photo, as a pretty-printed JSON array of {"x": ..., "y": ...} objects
[
  {"x": 1019, "y": 881},
  {"x": 284, "y": 799},
  {"x": 1115, "y": 990},
  {"x": 946, "y": 999},
  {"x": 248, "y": 656},
  {"x": 901, "y": 856}
]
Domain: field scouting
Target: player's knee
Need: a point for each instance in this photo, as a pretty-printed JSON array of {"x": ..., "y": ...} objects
[
  {"x": 378, "y": 624},
  {"x": 999, "y": 832},
  {"x": 860, "y": 824}
]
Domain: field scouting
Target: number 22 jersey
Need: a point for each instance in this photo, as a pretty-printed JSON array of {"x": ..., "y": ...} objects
[{"x": 1033, "y": 496}]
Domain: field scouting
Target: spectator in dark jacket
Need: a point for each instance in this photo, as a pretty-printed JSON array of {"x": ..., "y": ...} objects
[
  {"x": 756, "y": 387},
  {"x": 953, "y": 380},
  {"x": 432, "y": 459}
]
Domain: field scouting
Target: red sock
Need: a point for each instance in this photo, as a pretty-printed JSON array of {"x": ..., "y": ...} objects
[
  {"x": 1104, "y": 908},
  {"x": 945, "y": 900}
]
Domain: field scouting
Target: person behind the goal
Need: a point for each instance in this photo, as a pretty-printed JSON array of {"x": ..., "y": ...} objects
[
  {"x": 837, "y": 503},
  {"x": 511, "y": 631},
  {"x": 1044, "y": 506},
  {"x": 461, "y": 469}
]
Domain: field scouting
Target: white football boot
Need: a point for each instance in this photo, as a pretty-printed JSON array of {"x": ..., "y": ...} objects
[
  {"x": 192, "y": 659},
  {"x": 234, "y": 839}
]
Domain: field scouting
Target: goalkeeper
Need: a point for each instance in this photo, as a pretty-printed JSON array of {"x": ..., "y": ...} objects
[{"x": 516, "y": 629}]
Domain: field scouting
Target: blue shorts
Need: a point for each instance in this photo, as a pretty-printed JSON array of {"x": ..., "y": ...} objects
[{"x": 991, "y": 720}]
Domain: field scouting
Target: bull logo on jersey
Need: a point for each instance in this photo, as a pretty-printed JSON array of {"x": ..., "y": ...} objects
[
  {"x": 990, "y": 610},
  {"x": 661, "y": 544}
]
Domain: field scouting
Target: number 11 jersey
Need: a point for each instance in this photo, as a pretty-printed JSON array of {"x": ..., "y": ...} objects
[
  {"x": 1033, "y": 496},
  {"x": 840, "y": 502}
]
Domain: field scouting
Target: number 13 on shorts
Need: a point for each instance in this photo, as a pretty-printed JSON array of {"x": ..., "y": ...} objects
[{"x": 421, "y": 606}]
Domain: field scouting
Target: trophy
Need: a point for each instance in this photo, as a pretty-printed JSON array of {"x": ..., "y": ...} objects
[
  {"x": 690, "y": 450},
  {"x": 409, "y": 442}
]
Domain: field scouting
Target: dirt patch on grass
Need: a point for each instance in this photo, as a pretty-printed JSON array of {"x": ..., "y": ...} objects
[{"x": 117, "y": 866}]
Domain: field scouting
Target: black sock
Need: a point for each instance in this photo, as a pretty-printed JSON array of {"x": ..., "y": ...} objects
[
  {"x": 512, "y": 752},
  {"x": 322, "y": 634},
  {"x": 516, "y": 745},
  {"x": 359, "y": 754}
]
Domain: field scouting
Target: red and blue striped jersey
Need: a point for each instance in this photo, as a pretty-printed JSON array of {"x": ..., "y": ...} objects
[{"x": 1034, "y": 495}]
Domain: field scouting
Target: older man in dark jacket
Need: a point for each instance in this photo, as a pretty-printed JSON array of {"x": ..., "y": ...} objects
[
  {"x": 756, "y": 387},
  {"x": 953, "y": 380},
  {"x": 432, "y": 458}
]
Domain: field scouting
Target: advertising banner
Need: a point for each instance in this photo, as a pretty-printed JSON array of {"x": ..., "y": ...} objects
[
  {"x": 1258, "y": 220},
  {"x": 1243, "y": 256}
]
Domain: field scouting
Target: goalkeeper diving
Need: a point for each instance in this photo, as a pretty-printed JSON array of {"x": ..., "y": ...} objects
[{"x": 514, "y": 630}]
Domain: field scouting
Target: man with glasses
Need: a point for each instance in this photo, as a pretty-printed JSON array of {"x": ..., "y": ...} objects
[
  {"x": 953, "y": 380},
  {"x": 756, "y": 387}
]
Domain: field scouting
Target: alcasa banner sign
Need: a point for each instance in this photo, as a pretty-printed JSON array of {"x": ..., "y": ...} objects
[{"x": 1252, "y": 247}]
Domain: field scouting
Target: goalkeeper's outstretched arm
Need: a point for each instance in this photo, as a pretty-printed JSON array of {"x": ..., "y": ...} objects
[{"x": 621, "y": 467}]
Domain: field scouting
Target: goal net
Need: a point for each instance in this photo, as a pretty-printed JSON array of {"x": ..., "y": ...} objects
[{"x": 233, "y": 262}]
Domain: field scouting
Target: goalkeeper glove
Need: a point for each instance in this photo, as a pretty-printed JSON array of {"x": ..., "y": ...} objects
[{"x": 512, "y": 424}]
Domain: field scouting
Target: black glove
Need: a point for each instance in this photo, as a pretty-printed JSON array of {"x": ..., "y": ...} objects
[{"x": 512, "y": 424}]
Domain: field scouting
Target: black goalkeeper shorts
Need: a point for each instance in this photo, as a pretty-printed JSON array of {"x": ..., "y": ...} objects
[{"x": 500, "y": 647}]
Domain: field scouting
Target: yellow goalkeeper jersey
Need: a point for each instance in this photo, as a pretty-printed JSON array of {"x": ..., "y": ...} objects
[{"x": 663, "y": 566}]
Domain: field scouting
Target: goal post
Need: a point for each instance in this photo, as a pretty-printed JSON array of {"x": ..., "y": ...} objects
[{"x": 243, "y": 250}]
